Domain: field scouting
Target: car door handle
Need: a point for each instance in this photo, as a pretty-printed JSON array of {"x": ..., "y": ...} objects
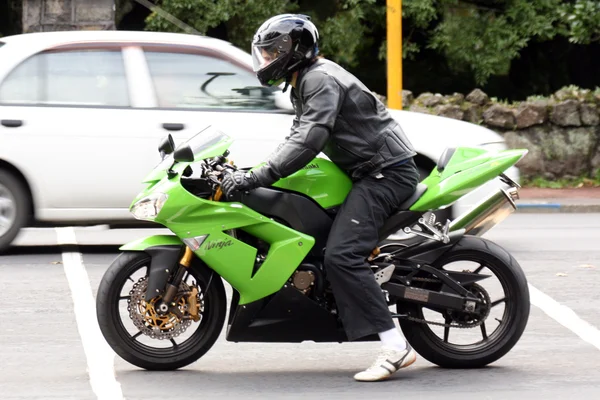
[
  {"x": 11, "y": 123},
  {"x": 173, "y": 127}
]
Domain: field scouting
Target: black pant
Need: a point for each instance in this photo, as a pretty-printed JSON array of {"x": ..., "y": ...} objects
[{"x": 360, "y": 301}]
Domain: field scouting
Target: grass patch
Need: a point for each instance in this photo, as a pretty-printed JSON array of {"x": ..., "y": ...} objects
[{"x": 578, "y": 182}]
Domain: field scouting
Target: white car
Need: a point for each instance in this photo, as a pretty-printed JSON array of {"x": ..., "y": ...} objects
[{"x": 82, "y": 113}]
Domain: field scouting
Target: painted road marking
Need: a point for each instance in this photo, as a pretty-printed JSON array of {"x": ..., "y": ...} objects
[
  {"x": 565, "y": 316},
  {"x": 100, "y": 357}
]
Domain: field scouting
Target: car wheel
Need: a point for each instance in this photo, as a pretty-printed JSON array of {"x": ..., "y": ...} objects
[{"x": 14, "y": 208}]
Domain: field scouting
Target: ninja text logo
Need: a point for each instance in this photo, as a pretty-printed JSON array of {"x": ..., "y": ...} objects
[{"x": 219, "y": 244}]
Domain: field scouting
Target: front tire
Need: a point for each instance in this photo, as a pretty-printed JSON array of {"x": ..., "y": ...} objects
[
  {"x": 512, "y": 324},
  {"x": 141, "y": 354}
]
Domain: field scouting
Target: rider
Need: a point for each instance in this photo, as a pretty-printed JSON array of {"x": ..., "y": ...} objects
[{"x": 338, "y": 115}]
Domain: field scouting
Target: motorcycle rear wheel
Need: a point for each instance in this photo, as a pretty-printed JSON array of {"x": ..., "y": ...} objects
[{"x": 491, "y": 347}]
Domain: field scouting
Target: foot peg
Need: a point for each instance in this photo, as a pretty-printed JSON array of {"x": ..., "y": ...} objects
[
  {"x": 437, "y": 234},
  {"x": 384, "y": 275}
]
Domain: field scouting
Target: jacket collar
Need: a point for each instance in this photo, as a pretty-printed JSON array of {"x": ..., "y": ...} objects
[{"x": 315, "y": 63}]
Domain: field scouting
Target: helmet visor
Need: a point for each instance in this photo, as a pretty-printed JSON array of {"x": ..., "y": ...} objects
[{"x": 265, "y": 53}]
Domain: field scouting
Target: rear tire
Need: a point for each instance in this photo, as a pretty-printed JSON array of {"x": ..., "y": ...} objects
[
  {"x": 511, "y": 276},
  {"x": 15, "y": 206},
  {"x": 141, "y": 355}
]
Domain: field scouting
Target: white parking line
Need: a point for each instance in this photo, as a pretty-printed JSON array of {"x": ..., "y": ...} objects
[
  {"x": 100, "y": 357},
  {"x": 565, "y": 316}
]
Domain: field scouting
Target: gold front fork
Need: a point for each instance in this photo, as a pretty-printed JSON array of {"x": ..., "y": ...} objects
[{"x": 186, "y": 259}]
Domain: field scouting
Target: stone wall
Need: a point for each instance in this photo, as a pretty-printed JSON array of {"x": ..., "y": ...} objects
[
  {"x": 55, "y": 15},
  {"x": 561, "y": 132}
]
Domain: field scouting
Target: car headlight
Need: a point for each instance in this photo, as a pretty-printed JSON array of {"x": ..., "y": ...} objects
[{"x": 148, "y": 207}]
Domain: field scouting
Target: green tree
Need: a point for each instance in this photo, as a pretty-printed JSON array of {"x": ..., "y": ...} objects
[
  {"x": 581, "y": 21},
  {"x": 448, "y": 44},
  {"x": 241, "y": 18},
  {"x": 341, "y": 23},
  {"x": 344, "y": 32},
  {"x": 483, "y": 36}
]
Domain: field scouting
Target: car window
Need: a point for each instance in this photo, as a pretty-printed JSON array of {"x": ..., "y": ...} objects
[
  {"x": 204, "y": 81},
  {"x": 82, "y": 77}
]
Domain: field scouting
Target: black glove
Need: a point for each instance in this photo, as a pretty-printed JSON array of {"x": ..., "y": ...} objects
[{"x": 238, "y": 180}]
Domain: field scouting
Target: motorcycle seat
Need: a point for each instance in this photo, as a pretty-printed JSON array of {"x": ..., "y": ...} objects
[
  {"x": 421, "y": 188},
  {"x": 401, "y": 217}
]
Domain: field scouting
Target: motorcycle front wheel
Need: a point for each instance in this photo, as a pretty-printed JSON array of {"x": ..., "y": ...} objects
[{"x": 147, "y": 338}]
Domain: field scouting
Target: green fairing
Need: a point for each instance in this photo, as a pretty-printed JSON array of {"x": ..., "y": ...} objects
[
  {"x": 151, "y": 241},
  {"x": 468, "y": 169},
  {"x": 321, "y": 180},
  {"x": 189, "y": 216}
]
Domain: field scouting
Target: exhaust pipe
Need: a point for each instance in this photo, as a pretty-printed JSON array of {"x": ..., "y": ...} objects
[{"x": 487, "y": 213}]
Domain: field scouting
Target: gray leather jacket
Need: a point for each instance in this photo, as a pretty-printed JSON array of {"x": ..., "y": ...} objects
[{"x": 338, "y": 115}]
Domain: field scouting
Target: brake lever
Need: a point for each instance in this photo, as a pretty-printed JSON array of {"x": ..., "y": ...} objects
[{"x": 229, "y": 169}]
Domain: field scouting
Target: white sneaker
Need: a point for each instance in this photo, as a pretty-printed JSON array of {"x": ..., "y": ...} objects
[{"x": 389, "y": 361}]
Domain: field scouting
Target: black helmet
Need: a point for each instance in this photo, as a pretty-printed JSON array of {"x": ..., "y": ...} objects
[{"x": 282, "y": 45}]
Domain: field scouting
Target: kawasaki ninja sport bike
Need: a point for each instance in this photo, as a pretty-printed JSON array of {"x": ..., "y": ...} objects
[{"x": 462, "y": 301}]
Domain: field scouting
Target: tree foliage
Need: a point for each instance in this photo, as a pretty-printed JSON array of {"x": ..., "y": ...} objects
[
  {"x": 240, "y": 17},
  {"x": 342, "y": 25},
  {"x": 485, "y": 36},
  {"x": 581, "y": 21},
  {"x": 475, "y": 41}
]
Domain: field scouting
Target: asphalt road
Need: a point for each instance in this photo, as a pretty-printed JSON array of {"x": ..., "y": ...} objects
[{"x": 43, "y": 355}]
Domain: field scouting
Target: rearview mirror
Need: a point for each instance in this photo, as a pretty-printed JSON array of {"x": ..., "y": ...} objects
[
  {"x": 167, "y": 146},
  {"x": 184, "y": 154}
]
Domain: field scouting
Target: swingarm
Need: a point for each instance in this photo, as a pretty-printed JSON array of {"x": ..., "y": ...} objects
[{"x": 452, "y": 294}]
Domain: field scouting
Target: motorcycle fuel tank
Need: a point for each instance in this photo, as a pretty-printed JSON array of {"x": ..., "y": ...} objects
[{"x": 321, "y": 180}]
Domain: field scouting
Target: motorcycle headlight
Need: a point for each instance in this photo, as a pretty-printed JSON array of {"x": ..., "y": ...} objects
[{"x": 148, "y": 207}]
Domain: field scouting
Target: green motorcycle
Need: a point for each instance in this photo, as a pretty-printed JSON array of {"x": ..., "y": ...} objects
[{"x": 162, "y": 303}]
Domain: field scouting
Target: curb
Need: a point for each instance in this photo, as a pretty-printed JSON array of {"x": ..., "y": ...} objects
[{"x": 557, "y": 208}]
